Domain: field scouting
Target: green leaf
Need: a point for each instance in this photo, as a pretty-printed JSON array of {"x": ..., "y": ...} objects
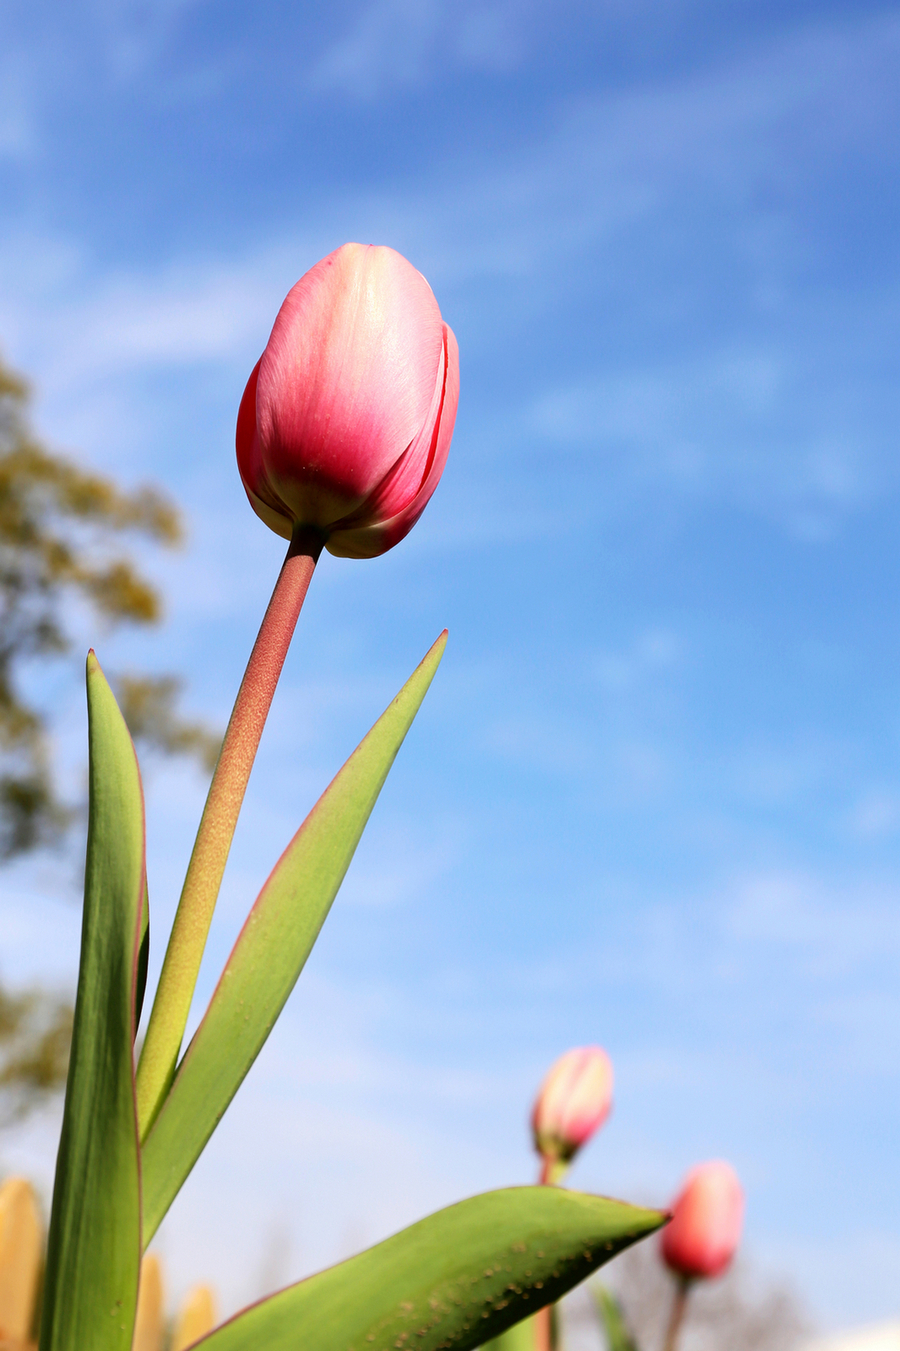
[
  {"x": 612, "y": 1320},
  {"x": 455, "y": 1279},
  {"x": 270, "y": 953},
  {"x": 93, "y": 1258}
]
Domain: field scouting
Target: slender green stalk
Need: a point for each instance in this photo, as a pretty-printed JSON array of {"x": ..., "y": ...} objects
[
  {"x": 676, "y": 1317},
  {"x": 171, "y": 1006}
]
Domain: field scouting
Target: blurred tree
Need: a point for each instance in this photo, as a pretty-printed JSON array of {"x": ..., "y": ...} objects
[
  {"x": 732, "y": 1312},
  {"x": 148, "y": 706},
  {"x": 35, "y": 1032},
  {"x": 63, "y": 536}
]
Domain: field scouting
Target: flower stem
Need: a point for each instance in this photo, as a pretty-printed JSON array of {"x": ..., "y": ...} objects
[
  {"x": 676, "y": 1317},
  {"x": 187, "y": 940},
  {"x": 552, "y": 1172},
  {"x": 543, "y": 1329}
]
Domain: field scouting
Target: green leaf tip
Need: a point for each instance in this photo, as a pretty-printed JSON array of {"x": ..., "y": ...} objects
[
  {"x": 93, "y": 1253},
  {"x": 271, "y": 950},
  {"x": 449, "y": 1283},
  {"x": 612, "y": 1319}
]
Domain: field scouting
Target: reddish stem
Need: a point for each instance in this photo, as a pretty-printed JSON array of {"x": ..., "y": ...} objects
[
  {"x": 543, "y": 1329},
  {"x": 217, "y": 825},
  {"x": 676, "y": 1317},
  {"x": 551, "y": 1171}
]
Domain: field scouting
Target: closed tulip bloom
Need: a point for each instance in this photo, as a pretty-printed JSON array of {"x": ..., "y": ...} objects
[
  {"x": 707, "y": 1216},
  {"x": 575, "y": 1099},
  {"x": 346, "y": 420}
]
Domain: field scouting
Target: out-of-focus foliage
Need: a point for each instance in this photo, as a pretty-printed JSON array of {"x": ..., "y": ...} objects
[
  {"x": 148, "y": 705},
  {"x": 35, "y": 1032},
  {"x": 63, "y": 536},
  {"x": 732, "y": 1312}
]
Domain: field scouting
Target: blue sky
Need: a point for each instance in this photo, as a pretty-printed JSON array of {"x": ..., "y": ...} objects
[{"x": 653, "y": 798}]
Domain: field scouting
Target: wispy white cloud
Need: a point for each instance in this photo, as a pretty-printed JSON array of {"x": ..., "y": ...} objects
[
  {"x": 763, "y": 413},
  {"x": 18, "y": 130},
  {"x": 876, "y": 814},
  {"x": 652, "y": 652},
  {"x": 401, "y": 44},
  {"x": 402, "y": 865},
  {"x": 390, "y": 42},
  {"x": 831, "y": 929},
  {"x": 134, "y": 34},
  {"x": 625, "y": 218}
]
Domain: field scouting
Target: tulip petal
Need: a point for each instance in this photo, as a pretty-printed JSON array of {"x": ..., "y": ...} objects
[
  {"x": 348, "y": 375},
  {"x": 367, "y": 541},
  {"x": 346, "y": 420},
  {"x": 249, "y": 457},
  {"x": 707, "y": 1217},
  {"x": 575, "y": 1098}
]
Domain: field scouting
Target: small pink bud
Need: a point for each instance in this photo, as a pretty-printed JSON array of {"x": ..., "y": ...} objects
[
  {"x": 575, "y": 1099},
  {"x": 707, "y": 1215},
  {"x": 346, "y": 420}
]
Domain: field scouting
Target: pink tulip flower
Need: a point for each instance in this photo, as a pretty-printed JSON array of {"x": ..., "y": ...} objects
[
  {"x": 346, "y": 420},
  {"x": 707, "y": 1216},
  {"x": 575, "y": 1098}
]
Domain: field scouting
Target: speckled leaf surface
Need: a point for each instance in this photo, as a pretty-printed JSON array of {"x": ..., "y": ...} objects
[
  {"x": 520, "y": 1337},
  {"x": 454, "y": 1280}
]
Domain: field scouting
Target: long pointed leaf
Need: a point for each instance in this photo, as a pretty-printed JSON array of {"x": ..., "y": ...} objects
[
  {"x": 93, "y": 1258},
  {"x": 455, "y": 1279},
  {"x": 270, "y": 952},
  {"x": 612, "y": 1320}
]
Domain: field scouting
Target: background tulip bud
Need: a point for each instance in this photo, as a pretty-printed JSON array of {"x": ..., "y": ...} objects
[
  {"x": 707, "y": 1216},
  {"x": 346, "y": 420},
  {"x": 575, "y": 1099}
]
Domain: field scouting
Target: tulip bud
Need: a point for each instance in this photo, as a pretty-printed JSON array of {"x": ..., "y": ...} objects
[
  {"x": 575, "y": 1099},
  {"x": 196, "y": 1318},
  {"x": 705, "y": 1229},
  {"x": 149, "y": 1321},
  {"x": 346, "y": 420}
]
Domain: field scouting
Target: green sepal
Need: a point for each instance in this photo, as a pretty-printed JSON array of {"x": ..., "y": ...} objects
[
  {"x": 94, "y": 1248},
  {"x": 612, "y": 1320},
  {"x": 270, "y": 953},
  {"x": 455, "y": 1279}
]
